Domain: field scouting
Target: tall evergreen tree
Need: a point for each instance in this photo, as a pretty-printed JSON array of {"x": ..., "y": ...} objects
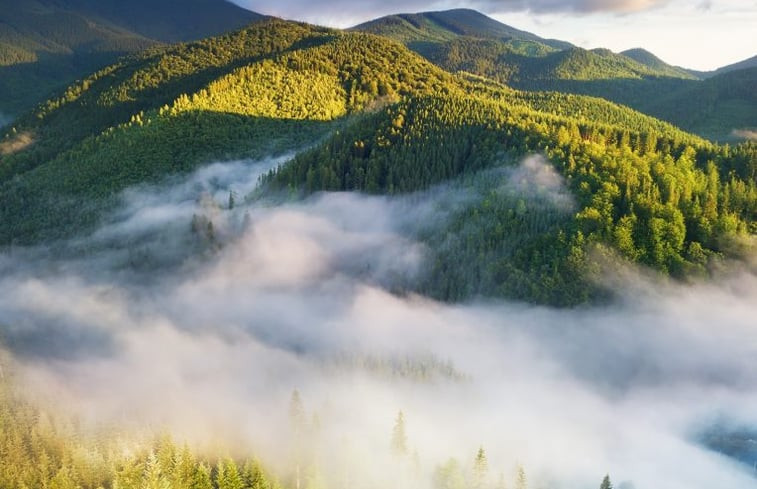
[
  {"x": 606, "y": 484},
  {"x": 480, "y": 469},
  {"x": 399, "y": 436}
]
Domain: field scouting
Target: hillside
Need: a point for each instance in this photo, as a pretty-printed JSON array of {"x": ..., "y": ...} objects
[
  {"x": 47, "y": 44},
  {"x": 725, "y": 104},
  {"x": 650, "y": 60},
  {"x": 714, "y": 108},
  {"x": 434, "y": 27},
  {"x": 740, "y": 65},
  {"x": 381, "y": 119},
  {"x": 479, "y": 45}
]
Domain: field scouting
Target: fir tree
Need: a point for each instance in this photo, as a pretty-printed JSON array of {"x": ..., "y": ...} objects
[
  {"x": 606, "y": 484},
  {"x": 399, "y": 437},
  {"x": 480, "y": 468}
]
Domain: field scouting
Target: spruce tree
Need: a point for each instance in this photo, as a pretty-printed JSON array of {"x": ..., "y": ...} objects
[
  {"x": 606, "y": 484},
  {"x": 399, "y": 437},
  {"x": 480, "y": 469}
]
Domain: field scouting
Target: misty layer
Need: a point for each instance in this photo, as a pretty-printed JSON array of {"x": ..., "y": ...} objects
[{"x": 300, "y": 296}]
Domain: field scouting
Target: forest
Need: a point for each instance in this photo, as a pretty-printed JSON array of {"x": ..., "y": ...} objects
[
  {"x": 429, "y": 252},
  {"x": 48, "y": 449},
  {"x": 645, "y": 190}
]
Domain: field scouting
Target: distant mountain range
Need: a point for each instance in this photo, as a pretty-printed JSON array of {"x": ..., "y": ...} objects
[
  {"x": 468, "y": 41},
  {"x": 47, "y": 44},
  {"x": 447, "y": 25},
  {"x": 741, "y": 65}
]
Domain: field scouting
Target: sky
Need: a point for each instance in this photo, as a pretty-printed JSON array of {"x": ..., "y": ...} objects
[{"x": 696, "y": 34}]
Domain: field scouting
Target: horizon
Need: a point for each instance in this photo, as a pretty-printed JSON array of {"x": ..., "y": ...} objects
[{"x": 617, "y": 25}]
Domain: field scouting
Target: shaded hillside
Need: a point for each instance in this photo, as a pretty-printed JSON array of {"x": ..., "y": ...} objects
[
  {"x": 648, "y": 59},
  {"x": 740, "y": 65},
  {"x": 46, "y": 44},
  {"x": 713, "y": 108}
]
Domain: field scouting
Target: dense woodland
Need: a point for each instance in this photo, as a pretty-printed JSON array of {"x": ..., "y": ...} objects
[
  {"x": 658, "y": 201},
  {"x": 48, "y": 44},
  {"x": 45, "y": 448},
  {"x": 713, "y": 108},
  {"x": 365, "y": 113},
  {"x": 644, "y": 190}
]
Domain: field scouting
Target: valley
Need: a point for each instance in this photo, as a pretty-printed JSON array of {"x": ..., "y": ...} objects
[{"x": 429, "y": 251}]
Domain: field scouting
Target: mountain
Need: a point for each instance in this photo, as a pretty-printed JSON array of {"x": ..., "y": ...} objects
[
  {"x": 523, "y": 69},
  {"x": 467, "y": 41},
  {"x": 435, "y": 27},
  {"x": 650, "y": 60},
  {"x": 740, "y": 65},
  {"x": 46, "y": 44},
  {"x": 375, "y": 117},
  {"x": 719, "y": 106}
]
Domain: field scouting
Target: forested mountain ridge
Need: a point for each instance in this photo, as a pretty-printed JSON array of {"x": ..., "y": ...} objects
[
  {"x": 646, "y": 58},
  {"x": 414, "y": 29},
  {"x": 739, "y": 65},
  {"x": 384, "y": 120},
  {"x": 46, "y": 44},
  {"x": 635, "y": 77}
]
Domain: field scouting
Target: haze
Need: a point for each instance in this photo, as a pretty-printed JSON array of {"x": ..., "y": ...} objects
[{"x": 144, "y": 322}]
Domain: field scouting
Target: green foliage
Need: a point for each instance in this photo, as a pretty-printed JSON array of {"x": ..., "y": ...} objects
[
  {"x": 39, "y": 449},
  {"x": 651, "y": 196},
  {"x": 606, "y": 484},
  {"x": 381, "y": 120},
  {"x": 472, "y": 43},
  {"x": 46, "y": 44}
]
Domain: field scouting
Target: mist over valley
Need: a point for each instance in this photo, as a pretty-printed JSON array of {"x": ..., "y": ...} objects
[{"x": 432, "y": 251}]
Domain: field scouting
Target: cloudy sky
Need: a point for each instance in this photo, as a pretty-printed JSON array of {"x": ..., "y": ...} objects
[{"x": 697, "y": 34}]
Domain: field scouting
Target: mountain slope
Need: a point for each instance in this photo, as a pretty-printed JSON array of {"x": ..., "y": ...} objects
[
  {"x": 716, "y": 106},
  {"x": 46, "y": 44},
  {"x": 648, "y": 59},
  {"x": 447, "y": 25},
  {"x": 378, "y": 118},
  {"x": 740, "y": 65},
  {"x": 471, "y": 42}
]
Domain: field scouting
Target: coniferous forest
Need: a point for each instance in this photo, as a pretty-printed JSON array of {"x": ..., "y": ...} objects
[{"x": 429, "y": 251}]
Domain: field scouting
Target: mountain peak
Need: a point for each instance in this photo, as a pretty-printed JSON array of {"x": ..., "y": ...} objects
[{"x": 445, "y": 25}]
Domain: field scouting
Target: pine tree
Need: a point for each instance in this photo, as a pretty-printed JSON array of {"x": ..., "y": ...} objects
[
  {"x": 153, "y": 477},
  {"x": 296, "y": 414},
  {"x": 253, "y": 476},
  {"x": 227, "y": 476},
  {"x": 520, "y": 478},
  {"x": 64, "y": 479},
  {"x": 606, "y": 484},
  {"x": 480, "y": 468},
  {"x": 201, "y": 478},
  {"x": 399, "y": 437},
  {"x": 297, "y": 423}
]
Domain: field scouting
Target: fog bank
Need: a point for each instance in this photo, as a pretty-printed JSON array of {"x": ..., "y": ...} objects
[{"x": 208, "y": 333}]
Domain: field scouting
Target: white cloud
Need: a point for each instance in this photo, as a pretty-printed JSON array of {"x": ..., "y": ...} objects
[{"x": 213, "y": 348}]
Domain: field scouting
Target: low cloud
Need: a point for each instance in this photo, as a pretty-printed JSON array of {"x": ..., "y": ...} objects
[
  {"x": 748, "y": 134},
  {"x": 538, "y": 180},
  {"x": 299, "y": 295}
]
